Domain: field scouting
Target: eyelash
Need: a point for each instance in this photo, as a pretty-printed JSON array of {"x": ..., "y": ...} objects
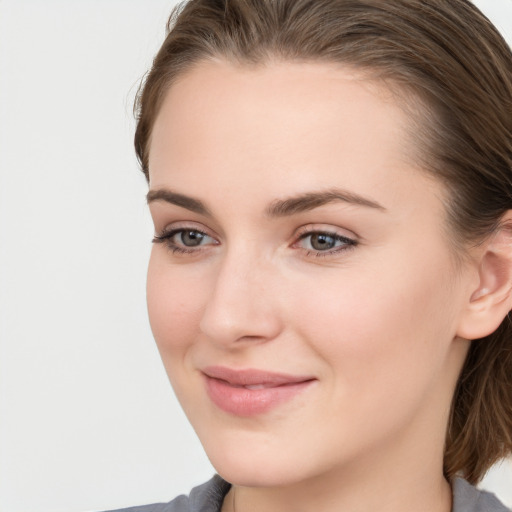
[
  {"x": 348, "y": 243},
  {"x": 166, "y": 238}
]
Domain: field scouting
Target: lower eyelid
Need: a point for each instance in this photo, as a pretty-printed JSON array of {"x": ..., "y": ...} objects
[{"x": 332, "y": 252}]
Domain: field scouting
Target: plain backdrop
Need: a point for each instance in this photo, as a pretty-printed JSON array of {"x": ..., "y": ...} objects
[{"x": 87, "y": 418}]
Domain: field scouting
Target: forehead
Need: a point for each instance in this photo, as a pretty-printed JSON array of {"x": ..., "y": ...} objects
[
  {"x": 313, "y": 98},
  {"x": 283, "y": 124}
]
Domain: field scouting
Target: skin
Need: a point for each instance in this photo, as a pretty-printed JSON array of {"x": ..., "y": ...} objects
[{"x": 375, "y": 322}]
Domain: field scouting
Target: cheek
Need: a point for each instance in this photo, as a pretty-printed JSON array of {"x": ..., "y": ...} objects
[
  {"x": 384, "y": 340},
  {"x": 390, "y": 327},
  {"x": 174, "y": 301}
]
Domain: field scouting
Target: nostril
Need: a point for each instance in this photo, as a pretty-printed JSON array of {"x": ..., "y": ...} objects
[
  {"x": 248, "y": 324},
  {"x": 239, "y": 308}
]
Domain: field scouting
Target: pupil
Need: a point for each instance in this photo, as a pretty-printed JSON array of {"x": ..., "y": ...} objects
[
  {"x": 321, "y": 242},
  {"x": 191, "y": 238}
]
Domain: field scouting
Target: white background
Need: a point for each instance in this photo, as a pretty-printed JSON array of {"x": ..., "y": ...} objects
[{"x": 87, "y": 418}]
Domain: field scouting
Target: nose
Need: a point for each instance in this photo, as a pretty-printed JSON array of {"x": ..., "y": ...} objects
[{"x": 243, "y": 304}]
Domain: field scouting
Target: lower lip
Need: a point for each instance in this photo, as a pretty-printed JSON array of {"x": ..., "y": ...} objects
[{"x": 250, "y": 402}]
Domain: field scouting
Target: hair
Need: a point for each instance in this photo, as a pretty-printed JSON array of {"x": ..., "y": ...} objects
[{"x": 457, "y": 69}]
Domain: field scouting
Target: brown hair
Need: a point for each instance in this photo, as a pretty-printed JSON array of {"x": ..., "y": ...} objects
[{"x": 451, "y": 58}]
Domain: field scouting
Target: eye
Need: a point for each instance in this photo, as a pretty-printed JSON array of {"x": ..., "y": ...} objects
[
  {"x": 190, "y": 238},
  {"x": 322, "y": 243},
  {"x": 184, "y": 240}
]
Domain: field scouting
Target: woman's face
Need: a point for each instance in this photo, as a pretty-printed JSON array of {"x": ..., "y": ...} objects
[{"x": 302, "y": 289}]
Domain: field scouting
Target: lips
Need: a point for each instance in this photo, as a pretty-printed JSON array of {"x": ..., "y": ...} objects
[{"x": 251, "y": 392}]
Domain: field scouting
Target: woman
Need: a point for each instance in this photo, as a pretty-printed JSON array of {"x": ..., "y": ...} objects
[{"x": 331, "y": 187}]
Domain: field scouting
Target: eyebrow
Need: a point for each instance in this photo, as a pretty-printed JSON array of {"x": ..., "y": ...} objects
[
  {"x": 312, "y": 200},
  {"x": 189, "y": 203},
  {"x": 278, "y": 208}
]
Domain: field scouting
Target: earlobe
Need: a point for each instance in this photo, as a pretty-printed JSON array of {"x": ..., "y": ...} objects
[{"x": 491, "y": 300}]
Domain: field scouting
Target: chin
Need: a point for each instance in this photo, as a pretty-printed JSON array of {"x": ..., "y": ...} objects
[
  {"x": 258, "y": 464},
  {"x": 248, "y": 474}
]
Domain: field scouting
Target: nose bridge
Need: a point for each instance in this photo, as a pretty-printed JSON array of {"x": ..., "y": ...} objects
[{"x": 241, "y": 305}]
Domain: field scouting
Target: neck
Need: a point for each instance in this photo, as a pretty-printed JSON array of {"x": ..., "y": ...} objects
[{"x": 348, "y": 492}]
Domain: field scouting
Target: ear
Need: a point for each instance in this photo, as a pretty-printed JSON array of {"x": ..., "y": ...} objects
[{"x": 491, "y": 300}]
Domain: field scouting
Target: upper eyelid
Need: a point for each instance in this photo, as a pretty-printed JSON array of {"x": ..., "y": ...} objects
[
  {"x": 170, "y": 233},
  {"x": 330, "y": 230},
  {"x": 337, "y": 236},
  {"x": 184, "y": 226},
  {"x": 325, "y": 232}
]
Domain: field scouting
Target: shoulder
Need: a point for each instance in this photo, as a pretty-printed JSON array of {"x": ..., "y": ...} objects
[
  {"x": 204, "y": 498},
  {"x": 467, "y": 498}
]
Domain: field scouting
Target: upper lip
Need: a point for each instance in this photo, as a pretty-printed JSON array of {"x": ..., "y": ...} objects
[{"x": 253, "y": 377}]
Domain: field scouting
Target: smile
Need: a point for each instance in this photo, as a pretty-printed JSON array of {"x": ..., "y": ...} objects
[{"x": 251, "y": 392}]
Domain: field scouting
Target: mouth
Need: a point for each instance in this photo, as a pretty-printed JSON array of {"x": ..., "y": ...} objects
[{"x": 251, "y": 392}]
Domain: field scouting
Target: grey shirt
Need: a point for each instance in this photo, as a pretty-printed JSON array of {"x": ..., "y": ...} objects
[{"x": 209, "y": 496}]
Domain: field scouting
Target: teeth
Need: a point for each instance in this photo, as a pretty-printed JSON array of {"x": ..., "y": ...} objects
[{"x": 256, "y": 386}]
